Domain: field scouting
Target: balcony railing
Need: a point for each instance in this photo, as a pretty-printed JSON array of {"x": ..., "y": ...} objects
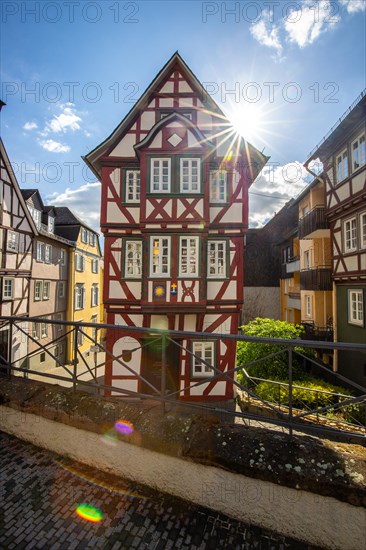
[
  {"x": 294, "y": 292},
  {"x": 319, "y": 278},
  {"x": 312, "y": 221},
  {"x": 291, "y": 266},
  {"x": 314, "y": 332}
]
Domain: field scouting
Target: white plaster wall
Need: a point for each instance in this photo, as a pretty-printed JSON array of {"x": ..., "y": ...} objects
[{"x": 312, "y": 518}]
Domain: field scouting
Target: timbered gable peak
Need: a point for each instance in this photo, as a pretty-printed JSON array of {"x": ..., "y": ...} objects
[
  {"x": 174, "y": 91},
  {"x": 175, "y": 132}
]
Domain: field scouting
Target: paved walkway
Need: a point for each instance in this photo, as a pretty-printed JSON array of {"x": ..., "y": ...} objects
[{"x": 39, "y": 493}]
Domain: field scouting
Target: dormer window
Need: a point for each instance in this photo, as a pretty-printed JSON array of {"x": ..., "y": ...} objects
[
  {"x": 218, "y": 186},
  {"x": 36, "y": 215},
  {"x": 160, "y": 175},
  {"x": 190, "y": 175},
  {"x": 51, "y": 224}
]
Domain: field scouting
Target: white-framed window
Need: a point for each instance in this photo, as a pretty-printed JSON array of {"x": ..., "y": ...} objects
[
  {"x": 307, "y": 305},
  {"x": 363, "y": 230},
  {"x": 91, "y": 238},
  {"x": 95, "y": 265},
  {"x": 159, "y": 256},
  {"x": 79, "y": 262},
  {"x": 190, "y": 175},
  {"x": 218, "y": 186},
  {"x": 355, "y": 307},
  {"x": 133, "y": 259},
  {"x": 36, "y": 215},
  {"x": 307, "y": 259},
  {"x": 79, "y": 296},
  {"x": 188, "y": 256},
  {"x": 44, "y": 330},
  {"x": 62, "y": 256},
  {"x": 342, "y": 166},
  {"x": 216, "y": 259},
  {"x": 160, "y": 175},
  {"x": 203, "y": 351},
  {"x": 61, "y": 289},
  {"x": 8, "y": 288},
  {"x": 51, "y": 224},
  {"x": 84, "y": 235},
  {"x": 46, "y": 290},
  {"x": 38, "y": 290},
  {"x": 40, "y": 252},
  {"x": 94, "y": 295},
  {"x": 48, "y": 253},
  {"x": 94, "y": 319},
  {"x": 350, "y": 235},
  {"x": 12, "y": 242},
  {"x": 132, "y": 185},
  {"x": 358, "y": 152},
  {"x": 81, "y": 337},
  {"x": 59, "y": 317},
  {"x": 36, "y": 330}
]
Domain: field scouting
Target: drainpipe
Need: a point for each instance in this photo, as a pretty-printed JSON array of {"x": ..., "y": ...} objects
[{"x": 70, "y": 304}]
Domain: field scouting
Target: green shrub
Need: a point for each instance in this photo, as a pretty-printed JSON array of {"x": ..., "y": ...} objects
[
  {"x": 302, "y": 397},
  {"x": 274, "y": 368}
]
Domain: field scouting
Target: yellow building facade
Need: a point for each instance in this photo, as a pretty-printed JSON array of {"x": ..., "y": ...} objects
[{"x": 85, "y": 301}]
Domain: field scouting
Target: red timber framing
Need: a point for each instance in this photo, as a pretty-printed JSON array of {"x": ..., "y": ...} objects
[{"x": 174, "y": 211}]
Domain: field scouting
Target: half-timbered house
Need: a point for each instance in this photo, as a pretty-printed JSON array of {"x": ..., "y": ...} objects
[
  {"x": 17, "y": 231},
  {"x": 174, "y": 210},
  {"x": 48, "y": 297},
  {"x": 343, "y": 154}
]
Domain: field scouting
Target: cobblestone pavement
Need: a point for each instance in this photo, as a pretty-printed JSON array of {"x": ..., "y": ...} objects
[{"x": 39, "y": 493}]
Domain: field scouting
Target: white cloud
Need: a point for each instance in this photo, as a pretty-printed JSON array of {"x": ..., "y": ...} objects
[
  {"x": 273, "y": 188},
  {"x": 304, "y": 25},
  {"x": 30, "y": 126},
  {"x": 67, "y": 120},
  {"x": 54, "y": 146},
  {"x": 353, "y": 6},
  {"x": 84, "y": 201},
  {"x": 267, "y": 34}
]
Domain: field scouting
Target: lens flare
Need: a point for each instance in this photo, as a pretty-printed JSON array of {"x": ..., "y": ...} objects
[
  {"x": 110, "y": 437},
  {"x": 124, "y": 427},
  {"x": 90, "y": 513}
]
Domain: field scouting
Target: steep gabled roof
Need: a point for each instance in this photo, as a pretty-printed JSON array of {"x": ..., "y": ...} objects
[
  {"x": 16, "y": 186},
  {"x": 64, "y": 216},
  {"x": 92, "y": 159},
  {"x": 353, "y": 116},
  {"x": 31, "y": 193}
]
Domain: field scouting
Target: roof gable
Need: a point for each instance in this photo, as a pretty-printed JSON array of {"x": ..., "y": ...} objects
[{"x": 174, "y": 81}]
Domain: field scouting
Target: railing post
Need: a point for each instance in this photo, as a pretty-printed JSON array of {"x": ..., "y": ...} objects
[
  {"x": 10, "y": 348},
  {"x": 163, "y": 371},
  {"x": 290, "y": 389},
  {"x": 75, "y": 358}
]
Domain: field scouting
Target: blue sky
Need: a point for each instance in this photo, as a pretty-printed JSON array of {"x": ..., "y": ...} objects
[{"x": 284, "y": 72}]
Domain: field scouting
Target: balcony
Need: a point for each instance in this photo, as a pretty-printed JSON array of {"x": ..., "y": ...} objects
[
  {"x": 294, "y": 292},
  {"x": 314, "y": 224},
  {"x": 314, "y": 332},
  {"x": 318, "y": 278},
  {"x": 293, "y": 264},
  {"x": 290, "y": 267}
]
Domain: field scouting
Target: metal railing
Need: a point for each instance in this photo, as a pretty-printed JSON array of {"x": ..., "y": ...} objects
[
  {"x": 84, "y": 375},
  {"x": 312, "y": 221},
  {"x": 316, "y": 278}
]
